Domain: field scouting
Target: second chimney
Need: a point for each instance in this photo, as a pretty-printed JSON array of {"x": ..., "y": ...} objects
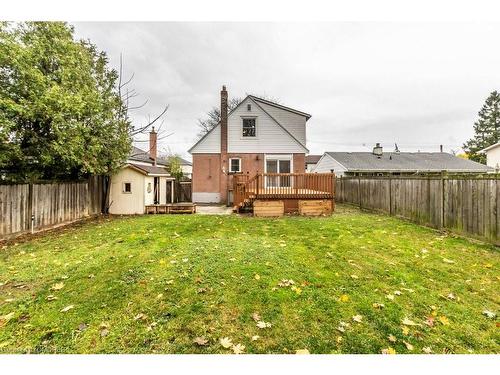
[
  {"x": 377, "y": 150},
  {"x": 153, "y": 138},
  {"x": 223, "y": 120}
]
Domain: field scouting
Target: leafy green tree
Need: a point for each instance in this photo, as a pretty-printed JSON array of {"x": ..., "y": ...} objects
[
  {"x": 61, "y": 115},
  {"x": 175, "y": 167},
  {"x": 486, "y": 129}
]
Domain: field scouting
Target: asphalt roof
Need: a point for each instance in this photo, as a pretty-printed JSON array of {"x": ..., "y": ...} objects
[
  {"x": 140, "y": 155},
  {"x": 407, "y": 161},
  {"x": 150, "y": 169},
  {"x": 312, "y": 159}
]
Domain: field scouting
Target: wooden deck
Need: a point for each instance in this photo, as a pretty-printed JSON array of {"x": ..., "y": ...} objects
[
  {"x": 171, "y": 208},
  {"x": 289, "y": 187}
]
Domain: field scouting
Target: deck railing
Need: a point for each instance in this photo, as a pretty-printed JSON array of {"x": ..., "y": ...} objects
[{"x": 283, "y": 186}]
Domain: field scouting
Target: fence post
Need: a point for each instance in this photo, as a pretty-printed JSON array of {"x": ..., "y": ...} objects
[
  {"x": 444, "y": 176},
  {"x": 30, "y": 217},
  {"x": 359, "y": 191},
  {"x": 390, "y": 195}
]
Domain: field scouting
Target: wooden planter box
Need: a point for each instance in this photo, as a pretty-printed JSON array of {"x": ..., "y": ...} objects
[
  {"x": 265, "y": 208},
  {"x": 318, "y": 207}
]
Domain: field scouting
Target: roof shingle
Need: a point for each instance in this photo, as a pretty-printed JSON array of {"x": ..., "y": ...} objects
[{"x": 407, "y": 161}]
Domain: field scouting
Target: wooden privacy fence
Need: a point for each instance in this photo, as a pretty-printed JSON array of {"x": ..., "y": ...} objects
[
  {"x": 463, "y": 204},
  {"x": 27, "y": 207}
]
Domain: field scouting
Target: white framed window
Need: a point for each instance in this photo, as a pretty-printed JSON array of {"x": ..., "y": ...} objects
[
  {"x": 127, "y": 188},
  {"x": 234, "y": 165},
  {"x": 249, "y": 127}
]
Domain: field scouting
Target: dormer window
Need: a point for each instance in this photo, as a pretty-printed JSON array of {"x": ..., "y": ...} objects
[{"x": 248, "y": 127}]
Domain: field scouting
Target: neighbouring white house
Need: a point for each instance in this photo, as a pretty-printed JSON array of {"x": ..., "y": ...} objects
[
  {"x": 143, "y": 180},
  {"x": 492, "y": 156},
  {"x": 187, "y": 168},
  {"x": 380, "y": 163}
]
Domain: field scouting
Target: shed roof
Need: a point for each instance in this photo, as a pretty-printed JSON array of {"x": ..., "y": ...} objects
[{"x": 150, "y": 169}]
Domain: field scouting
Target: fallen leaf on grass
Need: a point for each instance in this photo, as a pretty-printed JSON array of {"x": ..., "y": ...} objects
[
  {"x": 354, "y": 277},
  {"x": 261, "y": 324},
  {"x": 390, "y": 297},
  {"x": 238, "y": 349},
  {"x": 201, "y": 341},
  {"x": 344, "y": 298},
  {"x": 51, "y": 297},
  {"x": 427, "y": 349},
  {"x": 255, "y": 338},
  {"x": 4, "y": 319},
  {"x": 405, "y": 330},
  {"x": 57, "y": 286},
  {"x": 256, "y": 316},
  {"x": 67, "y": 308},
  {"x": 397, "y": 292},
  {"x": 357, "y": 318},
  {"x": 226, "y": 342},
  {"x": 408, "y": 346},
  {"x": 140, "y": 316},
  {"x": 449, "y": 261},
  {"x": 302, "y": 351},
  {"x": 408, "y": 322},
  {"x": 82, "y": 327},
  {"x": 257, "y": 276},
  {"x": 284, "y": 283},
  {"x": 388, "y": 351},
  {"x": 444, "y": 320},
  {"x": 489, "y": 314},
  {"x": 297, "y": 290},
  {"x": 392, "y": 338},
  {"x": 378, "y": 305},
  {"x": 429, "y": 321}
]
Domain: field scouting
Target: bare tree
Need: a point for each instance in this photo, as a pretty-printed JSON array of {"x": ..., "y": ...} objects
[{"x": 128, "y": 96}]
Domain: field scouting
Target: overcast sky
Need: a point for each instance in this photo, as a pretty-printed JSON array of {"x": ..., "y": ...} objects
[{"x": 417, "y": 85}]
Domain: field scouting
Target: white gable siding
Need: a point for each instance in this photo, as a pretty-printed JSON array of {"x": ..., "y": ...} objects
[
  {"x": 293, "y": 122},
  {"x": 493, "y": 157},
  {"x": 327, "y": 163},
  {"x": 270, "y": 138},
  {"x": 210, "y": 144}
]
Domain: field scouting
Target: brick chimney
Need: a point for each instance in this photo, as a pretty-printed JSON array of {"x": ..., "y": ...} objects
[
  {"x": 377, "y": 150},
  {"x": 153, "y": 149},
  {"x": 224, "y": 162},
  {"x": 223, "y": 120}
]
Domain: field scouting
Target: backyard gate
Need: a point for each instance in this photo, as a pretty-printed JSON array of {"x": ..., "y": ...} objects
[{"x": 182, "y": 191}]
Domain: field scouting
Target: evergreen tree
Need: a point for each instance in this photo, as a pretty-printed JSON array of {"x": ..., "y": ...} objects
[
  {"x": 61, "y": 116},
  {"x": 486, "y": 129}
]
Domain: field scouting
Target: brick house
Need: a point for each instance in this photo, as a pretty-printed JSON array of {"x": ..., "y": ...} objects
[{"x": 258, "y": 136}]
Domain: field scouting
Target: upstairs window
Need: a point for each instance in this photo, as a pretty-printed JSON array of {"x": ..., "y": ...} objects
[
  {"x": 248, "y": 127},
  {"x": 234, "y": 165}
]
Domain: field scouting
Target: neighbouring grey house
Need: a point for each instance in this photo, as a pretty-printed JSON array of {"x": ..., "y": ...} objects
[
  {"x": 380, "y": 163},
  {"x": 311, "y": 161}
]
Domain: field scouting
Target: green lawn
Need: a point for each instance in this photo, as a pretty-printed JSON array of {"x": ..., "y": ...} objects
[{"x": 362, "y": 283}]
